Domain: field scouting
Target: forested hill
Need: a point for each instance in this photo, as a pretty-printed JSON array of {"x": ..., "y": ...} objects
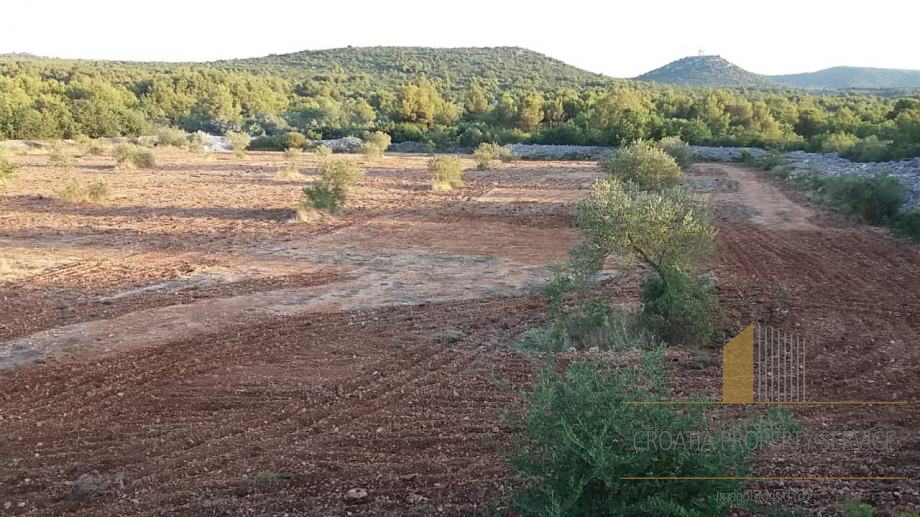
[
  {"x": 711, "y": 71},
  {"x": 852, "y": 77},
  {"x": 507, "y": 67}
]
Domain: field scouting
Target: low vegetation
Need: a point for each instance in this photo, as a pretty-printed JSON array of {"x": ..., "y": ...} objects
[
  {"x": 486, "y": 154},
  {"x": 6, "y": 169},
  {"x": 446, "y": 172},
  {"x": 643, "y": 164},
  {"x": 94, "y": 192},
  {"x": 336, "y": 177},
  {"x": 59, "y": 154},
  {"x": 171, "y": 137},
  {"x": 238, "y": 142},
  {"x": 575, "y": 439},
  {"x": 133, "y": 156},
  {"x": 874, "y": 199},
  {"x": 375, "y": 144},
  {"x": 290, "y": 169},
  {"x": 679, "y": 150}
]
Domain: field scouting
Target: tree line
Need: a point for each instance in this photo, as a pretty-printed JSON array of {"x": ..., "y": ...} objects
[{"x": 44, "y": 99}]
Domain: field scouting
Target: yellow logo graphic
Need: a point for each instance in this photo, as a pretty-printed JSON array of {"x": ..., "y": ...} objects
[{"x": 738, "y": 368}]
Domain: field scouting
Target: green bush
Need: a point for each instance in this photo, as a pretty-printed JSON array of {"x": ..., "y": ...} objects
[
  {"x": 838, "y": 142},
  {"x": 376, "y": 144},
  {"x": 97, "y": 147},
  {"x": 322, "y": 151},
  {"x": 574, "y": 439},
  {"x": 485, "y": 154},
  {"x": 908, "y": 225},
  {"x": 134, "y": 156},
  {"x": 446, "y": 172},
  {"x": 869, "y": 149},
  {"x": 657, "y": 228},
  {"x": 644, "y": 164},
  {"x": 855, "y": 508},
  {"x": 6, "y": 169},
  {"x": 875, "y": 199},
  {"x": 172, "y": 137},
  {"x": 76, "y": 192},
  {"x": 323, "y": 197},
  {"x": 679, "y": 150},
  {"x": 767, "y": 162},
  {"x": 336, "y": 177},
  {"x": 596, "y": 324},
  {"x": 506, "y": 155},
  {"x": 678, "y": 305},
  {"x": 59, "y": 154},
  {"x": 238, "y": 142},
  {"x": 290, "y": 169}
]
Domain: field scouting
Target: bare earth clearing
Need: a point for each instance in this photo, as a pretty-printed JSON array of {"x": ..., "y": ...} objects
[{"x": 197, "y": 353}]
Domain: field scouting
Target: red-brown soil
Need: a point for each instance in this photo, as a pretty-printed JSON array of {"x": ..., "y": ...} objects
[{"x": 187, "y": 349}]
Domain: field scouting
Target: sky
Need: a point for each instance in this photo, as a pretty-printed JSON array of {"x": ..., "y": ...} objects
[{"x": 620, "y": 39}]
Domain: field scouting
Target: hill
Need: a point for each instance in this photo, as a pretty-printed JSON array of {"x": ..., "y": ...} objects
[
  {"x": 507, "y": 66},
  {"x": 852, "y": 77},
  {"x": 710, "y": 71}
]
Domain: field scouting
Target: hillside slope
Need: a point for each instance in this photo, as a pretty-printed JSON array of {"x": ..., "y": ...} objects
[
  {"x": 508, "y": 66},
  {"x": 711, "y": 71},
  {"x": 848, "y": 77}
]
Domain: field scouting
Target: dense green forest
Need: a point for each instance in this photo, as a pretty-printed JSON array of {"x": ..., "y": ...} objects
[{"x": 438, "y": 100}]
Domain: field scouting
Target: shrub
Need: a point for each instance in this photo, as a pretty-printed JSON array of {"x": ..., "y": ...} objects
[
  {"x": 908, "y": 225},
  {"x": 6, "y": 169},
  {"x": 869, "y": 149},
  {"x": 336, "y": 177},
  {"x": 644, "y": 164},
  {"x": 874, "y": 199},
  {"x": 446, "y": 172},
  {"x": 657, "y": 228},
  {"x": 170, "y": 136},
  {"x": 323, "y": 197},
  {"x": 238, "y": 142},
  {"x": 678, "y": 305},
  {"x": 375, "y": 144},
  {"x": 596, "y": 324},
  {"x": 573, "y": 439},
  {"x": 97, "y": 147},
  {"x": 289, "y": 170},
  {"x": 485, "y": 154},
  {"x": 506, "y": 155},
  {"x": 59, "y": 155},
  {"x": 322, "y": 151},
  {"x": 76, "y": 192},
  {"x": 838, "y": 142},
  {"x": 134, "y": 156},
  {"x": 679, "y": 150},
  {"x": 855, "y": 508},
  {"x": 767, "y": 162}
]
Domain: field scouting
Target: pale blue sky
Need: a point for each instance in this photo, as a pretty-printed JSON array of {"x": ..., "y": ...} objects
[{"x": 622, "y": 39}]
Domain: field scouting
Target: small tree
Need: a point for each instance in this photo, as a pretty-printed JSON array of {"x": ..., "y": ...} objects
[
  {"x": 644, "y": 164},
  {"x": 667, "y": 231},
  {"x": 289, "y": 170},
  {"x": 446, "y": 172},
  {"x": 656, "y": 227},
  {"x": 172, "y": 137},
  {"x": 238, "y": 142},
  {"x": 59, "y": 155},
  {"x": 577, "y": 432},
  {"x": 336, "y": 177},
  {"x": 679, "y": 150},
  {"x": 375, "y": 144},
  {"x": 133, "y": 156},
  {"x": 6, "y": 169},
  {"x": 485, "y": 154}
]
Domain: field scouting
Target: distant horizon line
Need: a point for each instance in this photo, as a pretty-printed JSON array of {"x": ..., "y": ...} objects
[{"x": 462, "y": 47}]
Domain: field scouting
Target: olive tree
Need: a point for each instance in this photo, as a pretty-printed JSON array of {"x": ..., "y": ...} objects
[{"x": 644, "y": 164}]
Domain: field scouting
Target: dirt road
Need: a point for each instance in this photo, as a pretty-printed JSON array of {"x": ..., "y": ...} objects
[{"x": 188, "y": 350}]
